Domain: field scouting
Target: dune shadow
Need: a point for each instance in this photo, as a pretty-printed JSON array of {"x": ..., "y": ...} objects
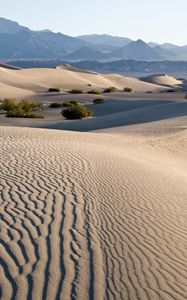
[{"x": 131, "y": 117}]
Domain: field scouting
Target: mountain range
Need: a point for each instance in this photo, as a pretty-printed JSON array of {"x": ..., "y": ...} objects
[{"x": 19, "y": 42}]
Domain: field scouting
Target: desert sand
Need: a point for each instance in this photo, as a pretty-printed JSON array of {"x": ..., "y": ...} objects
[
  {"x": 163, "y": 79},
  {"x": 38, "y": 81},
  {"x": 93, "y": 215},
  {"x": 98, "y": 208}
]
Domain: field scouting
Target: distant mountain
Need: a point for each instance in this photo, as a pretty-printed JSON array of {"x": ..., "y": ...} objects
[
  {"x": 10, "y": 27},
  {"x": 105, "y": 42},
  {"x": 165, "y": 53},
  {"x": 85, "y": 53},
  {"x": 137, "y": 50},
  {"x": 19, "y": 42},
  {"x": 169, "y": 46},
  {"x": 152, "y": 44}
]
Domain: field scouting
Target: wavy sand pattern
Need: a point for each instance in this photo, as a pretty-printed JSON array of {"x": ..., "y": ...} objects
[{"x": 90, "y": 216}]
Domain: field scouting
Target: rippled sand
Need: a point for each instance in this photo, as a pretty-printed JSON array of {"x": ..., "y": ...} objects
[{"x": 93, "y": 215}]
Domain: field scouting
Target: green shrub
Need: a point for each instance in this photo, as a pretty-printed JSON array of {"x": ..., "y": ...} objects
[
  {"x": 17, "y": 114},
  {"x": 70, "y": 103},
  {"x": 127, "y": 89},
  {"x": 54, "y": 90},
  {"x": 98, "y": 101},
  {"x": 8, "y": 104},
  {"x": 76, "y": 112},
  {"x": 93, "y": 92},
  {"x": 55, "y": 105},
  {"x": 23, "y": 109},
  {"x": 110, "y": 89},
  {"x": 75, "y": 91}
]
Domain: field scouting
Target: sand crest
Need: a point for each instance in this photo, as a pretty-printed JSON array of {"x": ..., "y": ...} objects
[{"x": 65, "y": 77}]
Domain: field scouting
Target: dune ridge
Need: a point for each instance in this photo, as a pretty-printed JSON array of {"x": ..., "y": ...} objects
[
  {"x": 65, "y": 77},
  {"x": 92, "y": 215},
  {"x": 163, "y": 79}
]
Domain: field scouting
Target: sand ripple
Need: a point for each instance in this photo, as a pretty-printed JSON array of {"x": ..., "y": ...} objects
[{"x": 83, "y": 216}]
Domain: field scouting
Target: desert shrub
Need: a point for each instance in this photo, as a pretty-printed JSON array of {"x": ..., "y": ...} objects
[
  {"x": 37, "y": 106},
  {"x": 89, "y": 84},
  {"x": 98, "y": 101},
  {"x": 149, "y": 92},
  {"x": 110, "y": 89},
  {"x": 75, "y": 91},
  {"x": 17, "y": 114},
  {"x": 70, "y": 103},
  {"x": 23, "y": 109},
  {"x": 93, "y": 92},
  {"x": 55, "y": 105},
  {"x": 8, "y": 104},
  {"x": 174, "y": 90},
  {"x": 54, "y": 90},
  {"x": 76, "y": 112},
  {"x": 186, "y": 96},
  {"x": 127, "y": 89}
]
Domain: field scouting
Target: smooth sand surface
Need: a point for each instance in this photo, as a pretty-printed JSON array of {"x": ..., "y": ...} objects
[
  {"x": 94, "y": 215},
  {"x": 38, "y": 81},
  {"x": 163, "y": 79}
]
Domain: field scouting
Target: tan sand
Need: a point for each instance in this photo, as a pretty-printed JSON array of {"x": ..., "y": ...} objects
[
  {"x": 163, "y": 79},
  {"x": 38, "y": 81},
  {"x": 94, "y": 215}
]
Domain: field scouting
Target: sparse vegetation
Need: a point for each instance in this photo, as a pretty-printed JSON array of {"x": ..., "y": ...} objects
[
  {"x": 76, "y": 112},
  {"x": 54, "y": 90},
  {"x": 8, "y": 104},
  {"x": 110, "y": 89},
  {"x": 93, "y": 92},
  {"x": 98, "y": 101},
  {"x": 55, "y": 105},
  {"x": 38, "y": 106},
  {"x": 75, "y": 91},
  {"x": 174, "y": 90},
  {"x": 70, "y": 103},
  {"x": 23, "y": 109},
  {"x": 127, "y": 89},
  {"x": 17, "y": 114}
]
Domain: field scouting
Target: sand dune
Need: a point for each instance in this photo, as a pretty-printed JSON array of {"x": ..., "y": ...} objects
[
  {"x": 6, "y": 66},
  {"x": 66, "y": 78},
  {"x": 99, "y": 214},
  {"x": 73, "y": 69},
  {"x": 163, "y": 79},
  {"x": 7, "y": 90},
  {"x": 92, "y": 216}
]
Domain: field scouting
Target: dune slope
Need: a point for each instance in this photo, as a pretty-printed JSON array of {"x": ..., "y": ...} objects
[
  {"x": 91, "y": 216},
  {"x": 163, "y": 79},
  {"x": 67, "y": 78}
]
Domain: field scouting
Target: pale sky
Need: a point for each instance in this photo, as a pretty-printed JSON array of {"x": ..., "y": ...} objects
[{"x": 151, "y": 20}]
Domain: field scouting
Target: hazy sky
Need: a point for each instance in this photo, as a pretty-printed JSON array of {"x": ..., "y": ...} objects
[{"x": 150, "y": 20}]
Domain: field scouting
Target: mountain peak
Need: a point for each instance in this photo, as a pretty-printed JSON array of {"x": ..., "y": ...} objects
[
  {"x": 10, "y": 27},
  {"x": 140, "y": 41}
]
